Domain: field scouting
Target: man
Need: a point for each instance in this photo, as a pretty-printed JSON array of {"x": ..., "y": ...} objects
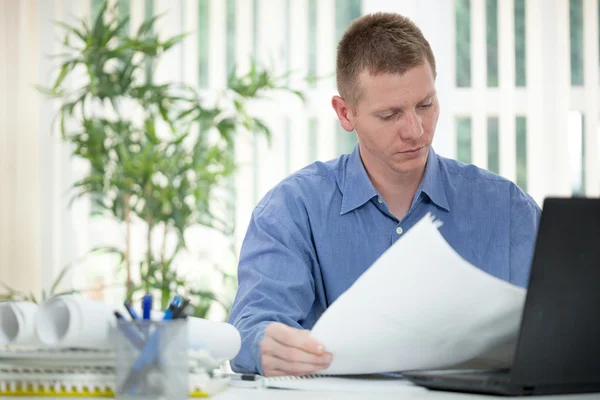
[{"x": 318, "y": 230}]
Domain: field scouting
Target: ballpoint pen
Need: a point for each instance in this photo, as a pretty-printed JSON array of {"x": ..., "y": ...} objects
[
  {"x": 184, "y": 309},
  {"x": 131, "y": 311},
  {"x": 241, "y": 377},
  {"x": 146, "y": 306},
  {"x": 130, "y": 331},
  {"x": 173, "y": 307},
  {"x": 242, "y": 380}
]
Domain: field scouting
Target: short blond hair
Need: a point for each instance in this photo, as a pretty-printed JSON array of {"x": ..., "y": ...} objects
[{"x": 381, "y": 43}]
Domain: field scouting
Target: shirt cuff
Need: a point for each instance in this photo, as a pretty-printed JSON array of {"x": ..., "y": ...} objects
[{"x": 256, "y": 351}]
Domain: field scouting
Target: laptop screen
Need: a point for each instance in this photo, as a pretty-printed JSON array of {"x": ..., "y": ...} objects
[{"x": 559, "y": 340}]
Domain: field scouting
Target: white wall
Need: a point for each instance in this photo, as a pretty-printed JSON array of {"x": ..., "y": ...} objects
[{"x": 20, "y": 178}]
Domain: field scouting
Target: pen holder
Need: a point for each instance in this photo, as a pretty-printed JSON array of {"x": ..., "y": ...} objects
[{"x": 152, "y": 360}]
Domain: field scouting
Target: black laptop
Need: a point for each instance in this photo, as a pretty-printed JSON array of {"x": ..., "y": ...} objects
[{"x": 558, "y": 349}]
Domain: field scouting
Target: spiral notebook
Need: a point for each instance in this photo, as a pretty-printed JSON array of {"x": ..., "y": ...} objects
[{"x": 340, "y": 383}]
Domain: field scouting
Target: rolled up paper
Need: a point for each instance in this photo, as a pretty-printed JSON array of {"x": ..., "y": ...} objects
[
  {"x": 17, "y": 323},
  {"x": 74, "y": 321},
  {"x": 220, "y": 339}
]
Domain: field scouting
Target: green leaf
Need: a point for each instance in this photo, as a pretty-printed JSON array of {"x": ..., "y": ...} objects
[
  {"x": 49, "y": 91},
  {"x": 13, "y": 294},
  {"x": 117, "y": 30},
  {"x": 300, "y": 94},
  {"x": 173, "y": 41},
  {"x": 185, "y": 113},
  {"x": 66, "y": 293},
  {"x": 60, "y": 277},
  {"x": 10, "y": 289},
  {"x": 106, "y": 250},
  {"x": 32, "y": 298},
  {"x": 64, "y": 71},
  {"x": 99, "y": 26},
  {"x": 71, "y": 29},
  {"x": 148, "y": 24}
]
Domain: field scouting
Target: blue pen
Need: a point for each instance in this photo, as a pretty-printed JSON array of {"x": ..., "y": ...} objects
[
  {"x": 175, "y": 304},
  {"x": 146, "y": 306}
]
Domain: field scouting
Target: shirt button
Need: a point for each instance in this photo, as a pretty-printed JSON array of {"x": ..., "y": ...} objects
[
  {"x": 380, "y": 200},
  {"x": 399, "y": 230}
]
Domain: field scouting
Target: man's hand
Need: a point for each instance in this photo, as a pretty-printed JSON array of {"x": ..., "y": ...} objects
[{"x": 290, "y": 351}]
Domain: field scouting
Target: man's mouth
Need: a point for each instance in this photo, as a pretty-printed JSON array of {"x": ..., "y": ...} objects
[{"x": 413, "y": 150}]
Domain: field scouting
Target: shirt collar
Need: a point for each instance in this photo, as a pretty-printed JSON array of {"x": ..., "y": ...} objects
[
  {"x": 434, "y": 182},
  {"x": 358, "y": 188}
]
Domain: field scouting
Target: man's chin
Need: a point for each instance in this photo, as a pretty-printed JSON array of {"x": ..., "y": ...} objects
[{"x": 411, "y": 165}]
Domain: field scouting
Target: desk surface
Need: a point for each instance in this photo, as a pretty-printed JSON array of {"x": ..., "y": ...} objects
[
  {"x": 408, "y": 392},
  {"x": 404, "y": 392}
]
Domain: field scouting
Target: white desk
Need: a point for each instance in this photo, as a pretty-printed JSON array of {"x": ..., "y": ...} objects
[{"x": 403, "y": 393}]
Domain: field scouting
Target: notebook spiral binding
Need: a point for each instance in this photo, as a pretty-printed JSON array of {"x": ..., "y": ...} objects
[
  {"x": 77, "y": 382},
  {"x": 75, "y": 373},
  {"x": 294, "y": 377}
]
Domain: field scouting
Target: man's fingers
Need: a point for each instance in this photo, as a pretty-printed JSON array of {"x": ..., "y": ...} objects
[
  {"x": 273, "y": 366},
  {"x": 275, "y": 372},
  {"x": 293, "y": 337},
  {"x": 272, "y": 347},
  {"x": 289, "y": 351}
]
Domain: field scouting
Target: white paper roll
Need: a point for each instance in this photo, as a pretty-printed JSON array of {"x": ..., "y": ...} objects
[
  {"x": 17, "y": 322},
  {"x": 74, "y": 321},
  {"x": 220, "y": 339}
]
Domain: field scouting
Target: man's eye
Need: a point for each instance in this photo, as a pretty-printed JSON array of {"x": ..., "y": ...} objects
[
  {"x": 427, "y": 105},
  {"x": 386, "y": 117}
]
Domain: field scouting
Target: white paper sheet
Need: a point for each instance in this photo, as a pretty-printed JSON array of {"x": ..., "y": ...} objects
[
  {"x": 17, "y": 321},
  {"x": 420, "y": 305}
]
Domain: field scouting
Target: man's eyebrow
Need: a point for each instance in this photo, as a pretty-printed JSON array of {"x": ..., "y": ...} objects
[
  {"x": 400, "y": 109},
  {"x": 388, "y": 110},
  {"x": 429, "y": 95}
]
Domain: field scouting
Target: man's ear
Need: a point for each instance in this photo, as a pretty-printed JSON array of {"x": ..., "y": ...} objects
[{"x": 344, "y": 113}]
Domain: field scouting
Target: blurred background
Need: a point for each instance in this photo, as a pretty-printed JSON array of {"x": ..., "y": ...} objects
[{"x": 517, "y": 82}]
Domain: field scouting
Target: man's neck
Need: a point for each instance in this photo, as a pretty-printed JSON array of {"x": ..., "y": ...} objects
[{"x": 397, "y": 189}]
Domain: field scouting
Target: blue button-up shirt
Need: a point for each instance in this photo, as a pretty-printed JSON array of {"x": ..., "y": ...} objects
[{"x": 318, "y": 230}]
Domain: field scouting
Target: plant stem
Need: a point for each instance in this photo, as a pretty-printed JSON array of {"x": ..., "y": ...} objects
[
  {"x": 149, "y": 224},
  {"x": 163, "y": 250},
  {"x": 163, "y": 261},
  {"x": 127, "y": 245}
]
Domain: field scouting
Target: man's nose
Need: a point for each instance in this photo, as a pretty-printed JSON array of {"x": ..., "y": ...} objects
[{"x": 411, "y": 127}]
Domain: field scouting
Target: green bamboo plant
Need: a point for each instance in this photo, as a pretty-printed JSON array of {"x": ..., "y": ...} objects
[{"x": 145, "y": 161}]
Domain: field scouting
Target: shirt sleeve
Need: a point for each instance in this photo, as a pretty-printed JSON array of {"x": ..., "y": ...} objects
[
  {"x": 525, "y": 218},
  {"x": 275, "y": 283}
]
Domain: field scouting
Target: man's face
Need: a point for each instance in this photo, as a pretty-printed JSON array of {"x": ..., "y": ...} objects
[{"x": 395, "y": 118}]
